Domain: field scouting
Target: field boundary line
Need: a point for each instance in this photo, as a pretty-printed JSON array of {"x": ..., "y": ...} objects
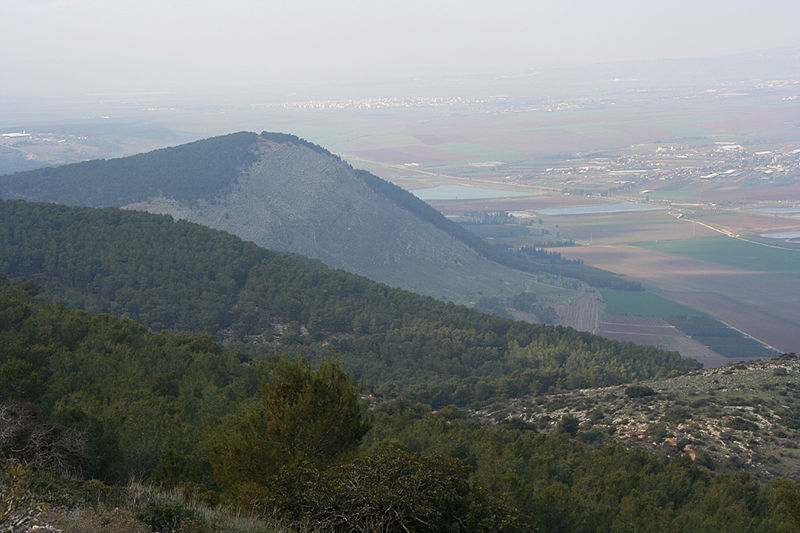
[{"x": 727, "y": 233}]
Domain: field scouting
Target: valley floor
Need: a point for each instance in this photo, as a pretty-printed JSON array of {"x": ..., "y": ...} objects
[{"x": 762, "y": 305}]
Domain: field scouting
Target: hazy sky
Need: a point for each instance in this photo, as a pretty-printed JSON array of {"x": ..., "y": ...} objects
[{"x": 97, "y": 45}]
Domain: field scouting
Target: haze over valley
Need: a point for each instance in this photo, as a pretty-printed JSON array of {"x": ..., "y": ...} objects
[{"x": 399, "y": 266}]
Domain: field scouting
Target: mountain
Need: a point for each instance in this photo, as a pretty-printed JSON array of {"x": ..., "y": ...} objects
[
  {"x": 184, "y": 276},
  {"x": 286, "y": 194}
]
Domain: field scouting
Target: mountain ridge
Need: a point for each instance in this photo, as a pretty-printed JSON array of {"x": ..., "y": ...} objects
[{"x": 287, "y": 194}]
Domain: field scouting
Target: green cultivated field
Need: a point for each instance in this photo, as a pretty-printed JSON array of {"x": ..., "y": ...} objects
[
  {"x": 644, "y": 304},
  {"x": 733, "y": 252},
  {"x": 698, "y": 325},
  {"x": 721, "y": 338},
  {"x": 615, "y": 228}
]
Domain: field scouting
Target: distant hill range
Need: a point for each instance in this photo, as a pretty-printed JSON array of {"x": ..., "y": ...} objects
[{"x": 286, "y": 194}]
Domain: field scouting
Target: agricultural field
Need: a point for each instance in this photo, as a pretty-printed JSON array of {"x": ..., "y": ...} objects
[
  {"x": 582, "y": 312},
  {"x": 514, "y": 235},
  {"x": 644, "y": 303},
  {"x": 599, "y": 228},
  {"x": 721, "y": 338},
  {"x": 763, "y": 305},
  {"x": 692, "y": 270},
  {"x": 621, "y": 228},
  {"x": 749, "y": 222},
  {"x": 657, "y": 225},
  {"x": 648, "y": 318},
  {"x": 734, "y": 252},
  {"x": 659, "y": 332}
]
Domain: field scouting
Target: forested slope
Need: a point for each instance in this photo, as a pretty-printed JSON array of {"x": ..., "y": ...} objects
[
  {"x": 129, "y": 392},
  {"x": 182, "y": 276},
  {"x": 103, "y": 397}
]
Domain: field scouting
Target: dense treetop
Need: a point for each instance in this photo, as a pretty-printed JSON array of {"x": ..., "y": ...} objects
[
  {"x": 561, "y": 482},
  {"x": 148, "y": 403},
  {"x": 151, "y": 405},
  {"x": 109, "y": 399},
  {"x": 133, "y": 393}
]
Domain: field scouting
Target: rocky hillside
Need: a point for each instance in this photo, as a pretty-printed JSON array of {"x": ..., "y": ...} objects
[
  {"x": 284, "y": 194},
  {"x": 742, "y": 416}
]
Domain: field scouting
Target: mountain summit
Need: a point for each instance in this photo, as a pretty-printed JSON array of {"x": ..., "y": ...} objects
[{"x": 286, "y": 194}]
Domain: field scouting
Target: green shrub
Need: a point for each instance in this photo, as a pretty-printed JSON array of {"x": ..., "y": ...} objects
[
  {"x": 568, "y": 425},
  {"x": 639, "y": 391},
  {"x": 741, "y": 424},
  {"x": 164, "y": 515}
]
